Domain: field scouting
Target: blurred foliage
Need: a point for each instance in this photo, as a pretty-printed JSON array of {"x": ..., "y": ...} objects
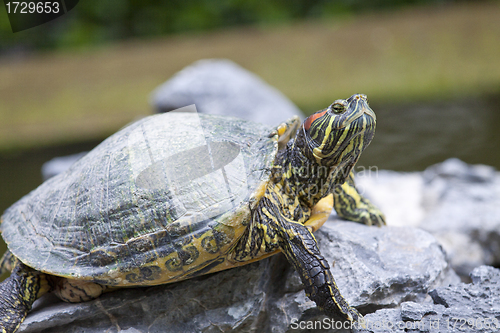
[{"x": 94, "y": 22}]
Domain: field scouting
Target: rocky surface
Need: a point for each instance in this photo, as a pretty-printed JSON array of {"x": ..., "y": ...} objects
[
  {"x": 59, "y": 164},
  {"x": 456, "y": 202},
  {"x": 398, "y": 274},
  {"x": 219, "y": 86},
  {"x": 460, "y": 307},
  {"x": 373, "y": 267}
]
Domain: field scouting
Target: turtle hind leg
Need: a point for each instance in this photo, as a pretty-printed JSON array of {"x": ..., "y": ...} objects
[
  {"x": 17, "y": 294},
  {"x": 75, "y": 291},
  {"x": 300, "y": 248}
]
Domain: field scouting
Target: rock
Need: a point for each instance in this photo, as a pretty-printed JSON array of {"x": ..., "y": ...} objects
[
  {"x": 374, "y": 268},
  {"x": 59, "y": 164},
  {"x": 385, "y": 265},
  {"x": 458, "y": 203},
  {"x": 453, "y": 168},
  {"x": 459, "y": 307},
  {"x": 230, "y": 299},
  {"x": 221, "y": 87},
  {"x": 398, "y": 194},
  {"x": 414, "y": 311},
  {"x": 464, "y": 212}
]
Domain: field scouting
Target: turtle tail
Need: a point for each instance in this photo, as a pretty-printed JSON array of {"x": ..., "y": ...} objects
[{"x": 17, "y": 294}]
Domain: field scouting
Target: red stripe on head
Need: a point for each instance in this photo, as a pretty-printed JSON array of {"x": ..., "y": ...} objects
[{"x": 310, "y": 119}]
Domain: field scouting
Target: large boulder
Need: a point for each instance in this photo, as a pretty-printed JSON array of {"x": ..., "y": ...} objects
[
  {"x": 463, "y": 212},
  {"x": 461, "y": 307},
  {"x": 374, "y": 268},
  {"x": 456, "y": 202},
  {"x": 219, "y": 86}
]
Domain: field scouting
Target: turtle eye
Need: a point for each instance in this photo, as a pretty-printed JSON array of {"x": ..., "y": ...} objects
[{"x": 338, "y": 107}]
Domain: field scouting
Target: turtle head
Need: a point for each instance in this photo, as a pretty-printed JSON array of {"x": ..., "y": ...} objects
[{"x": 337, "y": 135}]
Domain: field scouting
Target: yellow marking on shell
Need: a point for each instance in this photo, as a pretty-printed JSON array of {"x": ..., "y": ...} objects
[
  {"x": 231, "y": 226},
  {"x": 289, "y": 126},
  {"x": 286, "y": 131},
  {"x": 230, "y": 264},
  {"x": 320, "y": 213}
]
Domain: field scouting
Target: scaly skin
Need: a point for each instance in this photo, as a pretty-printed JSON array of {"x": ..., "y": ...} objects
[
  {"x": 275, "y": 231},
  {"x": 17, "y": 294},
  {"x": 351, "y": 205},
  {"x": 300, "y": 248},
  {"x": 317, "y": 163}
]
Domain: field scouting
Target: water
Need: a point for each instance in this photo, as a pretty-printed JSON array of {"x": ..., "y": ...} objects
[
  {"x": 414, "y": 136},
  {"x": 409, "y": 138}
]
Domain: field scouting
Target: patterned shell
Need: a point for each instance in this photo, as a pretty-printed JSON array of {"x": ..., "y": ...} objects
[{"x": 162, "y": 192}]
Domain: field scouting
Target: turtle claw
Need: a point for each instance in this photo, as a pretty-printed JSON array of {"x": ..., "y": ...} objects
[
  {"x": 365, "y": 212},
  {"x": 351, "y": 205},
  {"x": 355, "y": 317},
  {"x": 373, "y": 216}
]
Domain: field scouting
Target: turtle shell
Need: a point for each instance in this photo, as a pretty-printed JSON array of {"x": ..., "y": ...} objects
[{"x": 161, "y": 200}]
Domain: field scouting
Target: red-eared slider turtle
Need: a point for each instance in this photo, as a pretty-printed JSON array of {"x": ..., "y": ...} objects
[{"x": 177, "y": 195}]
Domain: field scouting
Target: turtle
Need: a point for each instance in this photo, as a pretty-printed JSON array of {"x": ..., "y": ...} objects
[{"x": 177, "y": 195}]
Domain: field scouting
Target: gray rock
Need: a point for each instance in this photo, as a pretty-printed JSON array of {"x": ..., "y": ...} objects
[
  {"x": 228, "y": 300},
  {"x": 377, "y": 269},
  {"x": 374, "y": 268},
  {"x": 59, "y": 164},
  {"x": 414, "y": 311},
  {"x": 459, "y": 307},
  {"x": 464, "y": 212},
  {"x": 453, "y": 168},
  {"x": 221, "y": 87},
  {"x": 458, "y": 203},
  {"x": 385, "y": 265}
]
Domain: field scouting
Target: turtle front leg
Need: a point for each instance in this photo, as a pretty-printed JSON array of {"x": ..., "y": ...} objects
[
  {"x": 300, "y": 248},
  {"x": 270, "y": 230},
  {"x": 17, "y": 294},
  {"x": 351, "y": 205}
]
